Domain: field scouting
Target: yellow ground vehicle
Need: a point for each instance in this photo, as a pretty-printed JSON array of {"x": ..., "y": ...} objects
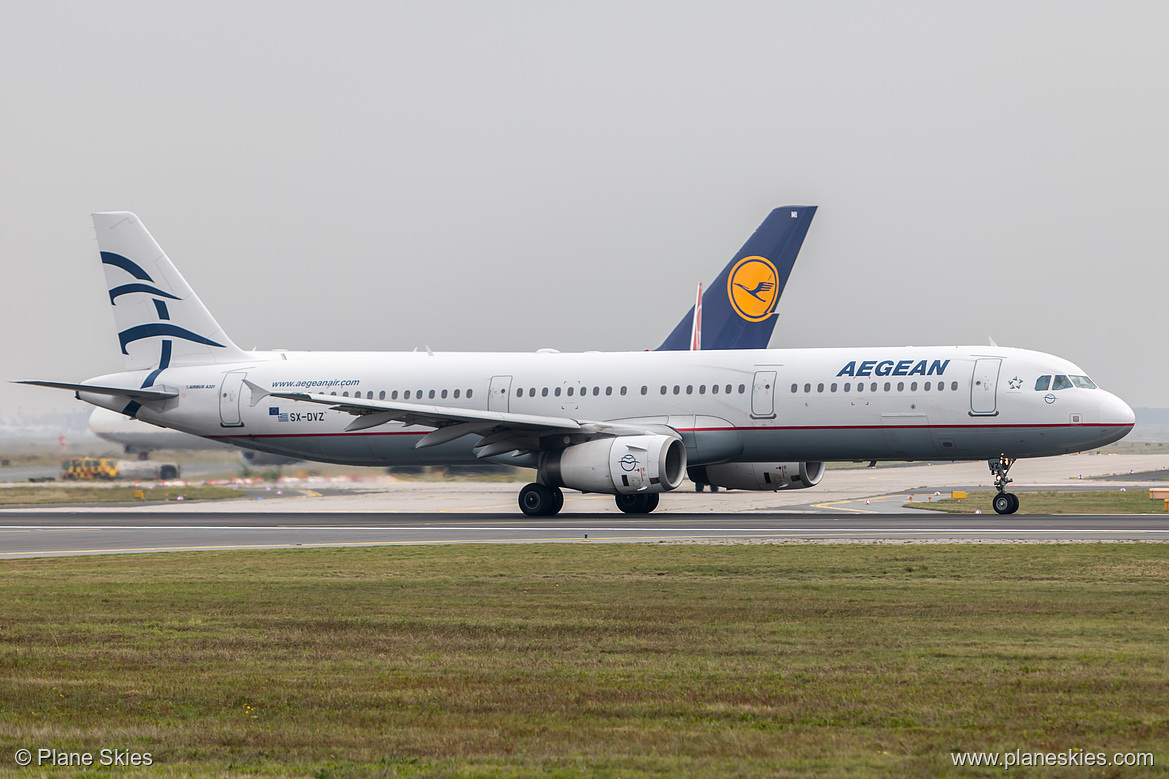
[
  {"x": 107, "y": 468},
  {"x": 90, "y": 468}
]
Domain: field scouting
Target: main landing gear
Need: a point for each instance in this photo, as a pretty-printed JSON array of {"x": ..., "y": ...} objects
[
  {"x": 540, "y": 500},
  {"x": 1005, "y": 502},
  {"x": 638, "y": 503}
]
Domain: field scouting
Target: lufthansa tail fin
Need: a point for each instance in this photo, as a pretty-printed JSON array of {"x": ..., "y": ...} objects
[
  {"x": 738, "y": 309},
  {"x": 161, "y": 321}
]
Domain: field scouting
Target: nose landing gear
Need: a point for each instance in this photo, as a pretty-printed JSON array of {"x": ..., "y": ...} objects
[{"x": 1005, "y": 502}]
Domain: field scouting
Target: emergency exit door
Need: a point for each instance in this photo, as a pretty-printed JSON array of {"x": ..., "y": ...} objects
[{"x": 763, "y": 395}]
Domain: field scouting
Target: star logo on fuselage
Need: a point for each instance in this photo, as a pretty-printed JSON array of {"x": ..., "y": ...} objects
[{"x": 1016, "y": 383}]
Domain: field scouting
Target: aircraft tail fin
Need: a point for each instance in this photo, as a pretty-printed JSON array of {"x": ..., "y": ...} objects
[
  {"x": 738, "y": 309},
  {"x": 161, "y": 321}
]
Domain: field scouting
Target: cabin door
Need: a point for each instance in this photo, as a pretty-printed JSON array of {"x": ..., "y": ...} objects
[
  {"x": 984, "y": 386},
  {"x": 229, "y": 399}
]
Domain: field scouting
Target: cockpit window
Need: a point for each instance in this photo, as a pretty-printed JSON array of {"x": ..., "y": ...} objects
[
  {"x": 1043, "y": 383},
  {"x": 1061, "y": 382},
  {"x": 1083, "y": 382}
]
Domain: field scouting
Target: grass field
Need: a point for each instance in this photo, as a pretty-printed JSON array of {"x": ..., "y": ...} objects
[
  {"x": 52, "y": 494},
  {"x": 1135, "y": 501},
  {"x": 589, "y": 660}
]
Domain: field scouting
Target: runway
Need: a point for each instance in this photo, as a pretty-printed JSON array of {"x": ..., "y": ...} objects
[
  {"x": 71, "y": 533},
  {"x": 852, "y": 506}
]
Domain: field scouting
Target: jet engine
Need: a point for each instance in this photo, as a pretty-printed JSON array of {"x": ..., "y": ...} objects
[
  {"x": 618, "y": 466},
  {"x": 759, "y": 476}
]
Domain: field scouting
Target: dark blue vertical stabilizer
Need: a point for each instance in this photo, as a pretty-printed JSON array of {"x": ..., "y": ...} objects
[{"x": 738, "y": 309}]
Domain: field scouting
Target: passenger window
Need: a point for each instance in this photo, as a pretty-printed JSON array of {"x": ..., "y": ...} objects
[
  {"x": 795, "y": 387},
  {"x": 597, "y": 391},
  {"x": 900, "y": 386},
  {"x": 742, "y": 389},
  {"x": 677, "y": 389},
  {"x": 833, "y": 387},
  {"x": 431, "y": 395},
  {"x": 689, "y": 389},
  {"x": 544, "y": 392},
  {"x": 609, "y": 391},
  {"x": 701, "y": 389},
  {"x": 887, "y": 386},
  {"x": 456, "y": 394},
  {"x": 1061, "y": 383},
  {"x": 848, "y": 386},
  {"x": 873, "y": 388},
  {"x": 1043, "y": 383},
  {"x": 819, "y": 387},
  {"x": 644, "y": 389},
  {"x": 381, "y": 395},
  {"x": 954, "y": 386},
  {"x": 664, "y": 389},
  {"x": 570, "y": 391},
  {"x": 394, "y": 395},
  {"x": 556, "y": 391},
  {"x": 807, "y": 388},
  {"x": 345, "y": 394},
  {"x": 519, "y": 393},
  {"x": 913, "y": 387},
  {"x": 444, "y": 393},
  {"x": 624, "y": 389},
  {"x": 469, "y": 393},
  {"x": 714, "y": 388},
  {"x": 728, "y": 389},
  {"x": 531, "y": 392}
]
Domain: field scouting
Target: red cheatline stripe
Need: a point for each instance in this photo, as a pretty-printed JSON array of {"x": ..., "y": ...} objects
[{"x": 935, "y": 428}]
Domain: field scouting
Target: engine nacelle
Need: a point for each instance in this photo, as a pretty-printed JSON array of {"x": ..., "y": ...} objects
[
  {"x": 759, "y": 476},
  {"x": 618, "y": 466}
]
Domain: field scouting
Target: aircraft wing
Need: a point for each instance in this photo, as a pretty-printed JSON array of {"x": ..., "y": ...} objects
[
  {"x": 500, "y": 431},
  {"x": 148, "y": 393}
]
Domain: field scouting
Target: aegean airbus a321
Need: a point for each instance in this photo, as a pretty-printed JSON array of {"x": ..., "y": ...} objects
[{"x": 629, "y": 424}]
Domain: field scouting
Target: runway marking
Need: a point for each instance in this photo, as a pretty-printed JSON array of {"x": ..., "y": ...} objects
[
  {"x": 836, "y": 503},
  {"x": 316, "y": 545},
  {"x": 584, "y": 529}
]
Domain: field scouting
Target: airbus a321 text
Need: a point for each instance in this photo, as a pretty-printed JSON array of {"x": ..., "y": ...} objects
[{"x": 629, "y": 424}]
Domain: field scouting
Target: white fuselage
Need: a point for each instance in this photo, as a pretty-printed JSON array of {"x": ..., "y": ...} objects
[{"x": 906, "y": 403}]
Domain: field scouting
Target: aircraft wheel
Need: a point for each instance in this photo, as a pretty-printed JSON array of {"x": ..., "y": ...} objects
[
  {"x": 557, "y": 501},
  {"x": 631, "y": 504},
  {"x": 1006, "y": 503},
  {"x": 536, "y": 500},
  {"x": 637, "y": 504},
  {"x": 698, "y": 486}
]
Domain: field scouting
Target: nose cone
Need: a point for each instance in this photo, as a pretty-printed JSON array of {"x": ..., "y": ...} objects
[{"x": 1115, "y": 412}]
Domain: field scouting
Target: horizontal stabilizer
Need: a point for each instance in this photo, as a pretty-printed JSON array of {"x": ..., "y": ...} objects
[{"x": 139, "y": 394}]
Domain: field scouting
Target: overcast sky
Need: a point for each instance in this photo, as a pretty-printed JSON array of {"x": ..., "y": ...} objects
[{"x": 510, "y": 176}]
